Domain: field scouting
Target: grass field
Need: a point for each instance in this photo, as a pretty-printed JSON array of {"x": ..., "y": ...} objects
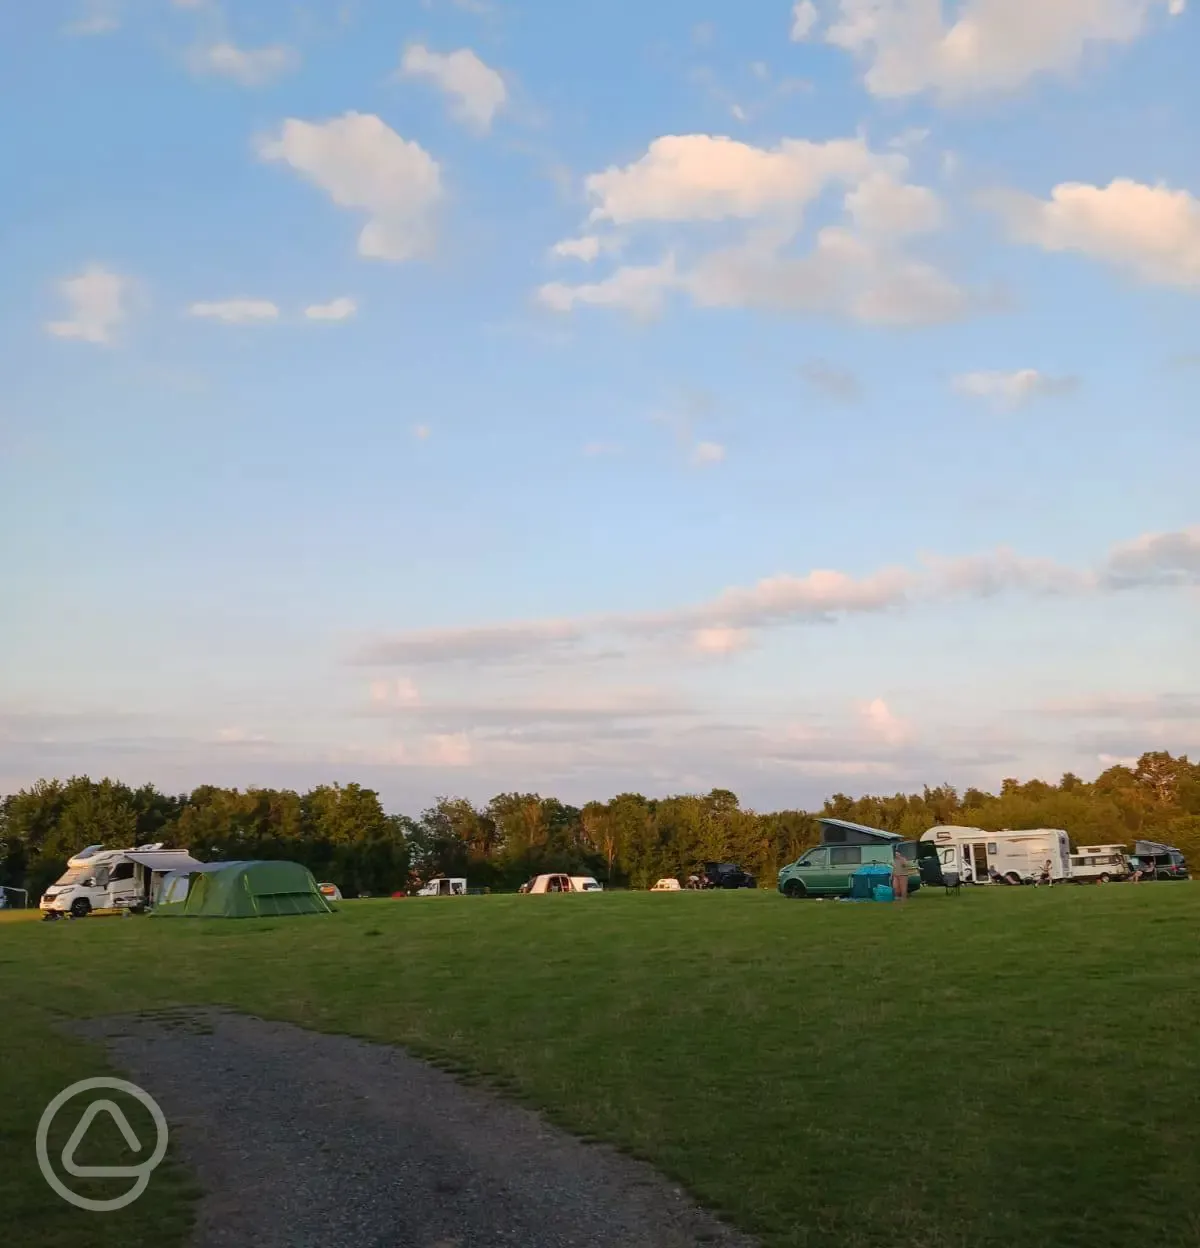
[{"x": 1014, "y": 1066}]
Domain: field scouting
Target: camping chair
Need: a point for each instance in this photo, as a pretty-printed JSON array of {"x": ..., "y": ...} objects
[{"x": 952, "y": 882}]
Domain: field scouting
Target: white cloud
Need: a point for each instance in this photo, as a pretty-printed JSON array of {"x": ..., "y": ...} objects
[
  {"x": 363, "y": 163},
  {"x": 477, "y": 91},
  {"x": 586, "y": 248},
  {"x": 340, "y": 309},
  {"x": 844, "y": 274},
  {"x": 236, "y": 311},
  {"x": 708, "y": 453},
  {"x": 1164, "y": 559},
  {"x": 859, "y": 270},
  {"x": 96, "y": 305},
  {"x": 702, "y": 177},
  {"x": 97, "y": 17},
  {"x": 639, "y": 289},
  {"x": 881, "y": 206},
  {"x": 880, "y": 723},
  {"x": 1152, "y": 232},
  {"x": 1012, "y": 389},
  {"x": 989, "y": 45},
  {"x": 804, "y": 18},
  {"x": 250, "y": 67}
]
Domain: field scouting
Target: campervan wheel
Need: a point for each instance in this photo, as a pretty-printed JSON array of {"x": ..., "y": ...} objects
[{"x": 795, "y": 890}]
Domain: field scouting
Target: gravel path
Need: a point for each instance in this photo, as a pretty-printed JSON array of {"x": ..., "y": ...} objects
[{"x": 300, "y": 1139}]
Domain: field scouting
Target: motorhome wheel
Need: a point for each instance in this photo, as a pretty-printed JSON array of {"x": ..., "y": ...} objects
[{"x": 80, "y": 908}]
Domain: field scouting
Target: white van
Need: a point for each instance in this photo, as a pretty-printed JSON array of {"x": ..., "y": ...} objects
[
  {"x": 112, "y": 879},
  {"x": 443, "y": 887},
  {"x": 1099, "y": 862},
  {"x": 1016, "y": 856}
]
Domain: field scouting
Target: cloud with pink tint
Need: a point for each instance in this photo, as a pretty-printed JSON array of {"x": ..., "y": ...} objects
[
  {"x": 882, "y": 724},
  {"x": 1157, "y": 560},
  {"x": 720, "y": 640}
]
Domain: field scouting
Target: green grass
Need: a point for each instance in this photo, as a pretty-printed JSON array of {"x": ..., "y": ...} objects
[{"x": 1008, "y": 1067}]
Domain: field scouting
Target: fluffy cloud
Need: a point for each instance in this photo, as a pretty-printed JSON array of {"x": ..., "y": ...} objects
[
  {"x": 249, "y": 67},
  {"x": 341, "y": 309},
  {"x": 702, "y": 177},
  {"x": 1155, "y": 559},
  {"x": 720, "y": 640},
  {"x": 859, "y": 270},
  {"x": 237, "y": 311},
  {"x": 989, "y": 45},
  {"x": 1012, "y": 389},
  {"x": 95, "y": 301},
  {"x": 1152, "y": 232},
  {"x": 883, "y": 725},
  {"x": 476, "y": 90},
  {"x": 823, "y": 595},
  {"x": 362, "y": 163},
  {"x": 804, "y": 18},
  {"x": 639, "y": 289}
]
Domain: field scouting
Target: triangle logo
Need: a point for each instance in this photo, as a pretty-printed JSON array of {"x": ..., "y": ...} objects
[{"x": 117, "y": 1114}]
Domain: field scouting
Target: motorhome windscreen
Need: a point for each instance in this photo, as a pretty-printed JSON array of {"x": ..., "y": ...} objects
[{"x": 76, "y": 875}]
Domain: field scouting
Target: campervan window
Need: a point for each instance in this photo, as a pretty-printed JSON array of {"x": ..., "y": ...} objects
[{"x": 845, "y": 855}]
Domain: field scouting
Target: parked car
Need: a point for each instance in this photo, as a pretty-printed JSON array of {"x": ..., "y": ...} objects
[
  {"x": 330, "y": 892},
  {"x": 727, "y": 875},
  {"x": 1154, "y": 861}
]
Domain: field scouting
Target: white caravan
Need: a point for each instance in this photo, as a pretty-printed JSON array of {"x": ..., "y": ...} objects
[
  {"x": 1015, "y": 856},
  {"x": 113, "y": 879},
  {"x": 442, "y": 887},
  {"x": 1099, "y": 862}
]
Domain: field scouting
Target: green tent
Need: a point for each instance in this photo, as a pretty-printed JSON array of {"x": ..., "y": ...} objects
[{"x": 247, "y": 890}]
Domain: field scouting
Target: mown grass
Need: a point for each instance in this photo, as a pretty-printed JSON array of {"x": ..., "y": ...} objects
[{"x": 1010, "y": 1066}]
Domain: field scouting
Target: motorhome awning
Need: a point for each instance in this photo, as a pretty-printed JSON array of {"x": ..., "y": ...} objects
[{"x": 169, "y": 860}]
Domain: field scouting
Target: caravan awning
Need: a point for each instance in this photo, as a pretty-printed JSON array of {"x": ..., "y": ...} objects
[{"x": 168, "y": 860}]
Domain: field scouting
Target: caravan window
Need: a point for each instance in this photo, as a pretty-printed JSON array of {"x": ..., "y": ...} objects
[
  {"x": 845, "y": 855},
  {"x": 122, "y": 871},
  {"x": 992, "y": 848}
]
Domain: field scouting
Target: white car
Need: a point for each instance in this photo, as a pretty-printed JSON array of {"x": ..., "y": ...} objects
[{"x": 330, "y": 892}]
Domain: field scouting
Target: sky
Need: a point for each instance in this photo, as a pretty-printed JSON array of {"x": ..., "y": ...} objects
[{"x": 461, "y": 397}]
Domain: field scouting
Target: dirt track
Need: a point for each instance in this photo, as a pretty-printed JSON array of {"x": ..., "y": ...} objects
[{"x": 300, "y": 1139}]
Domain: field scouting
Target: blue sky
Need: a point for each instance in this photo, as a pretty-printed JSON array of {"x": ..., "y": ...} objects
[{"x": 848, "y": 441}]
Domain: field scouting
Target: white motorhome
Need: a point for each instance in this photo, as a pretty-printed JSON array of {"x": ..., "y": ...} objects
[
  {"x": 1016, "y": 856},
  {"x": 1099, "y": 862},
  {"x": 443, "y": 887},
  {"x": 113, "y": 879}
]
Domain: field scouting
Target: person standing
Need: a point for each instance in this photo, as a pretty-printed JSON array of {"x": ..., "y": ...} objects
[{"x": 900, "y": 866}]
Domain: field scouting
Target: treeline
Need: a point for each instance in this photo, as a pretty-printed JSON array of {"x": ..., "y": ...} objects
[{"x": 342, "y": 833}]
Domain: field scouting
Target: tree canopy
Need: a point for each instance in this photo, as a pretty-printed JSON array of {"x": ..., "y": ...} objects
[{"x": 342, "y": 833}]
